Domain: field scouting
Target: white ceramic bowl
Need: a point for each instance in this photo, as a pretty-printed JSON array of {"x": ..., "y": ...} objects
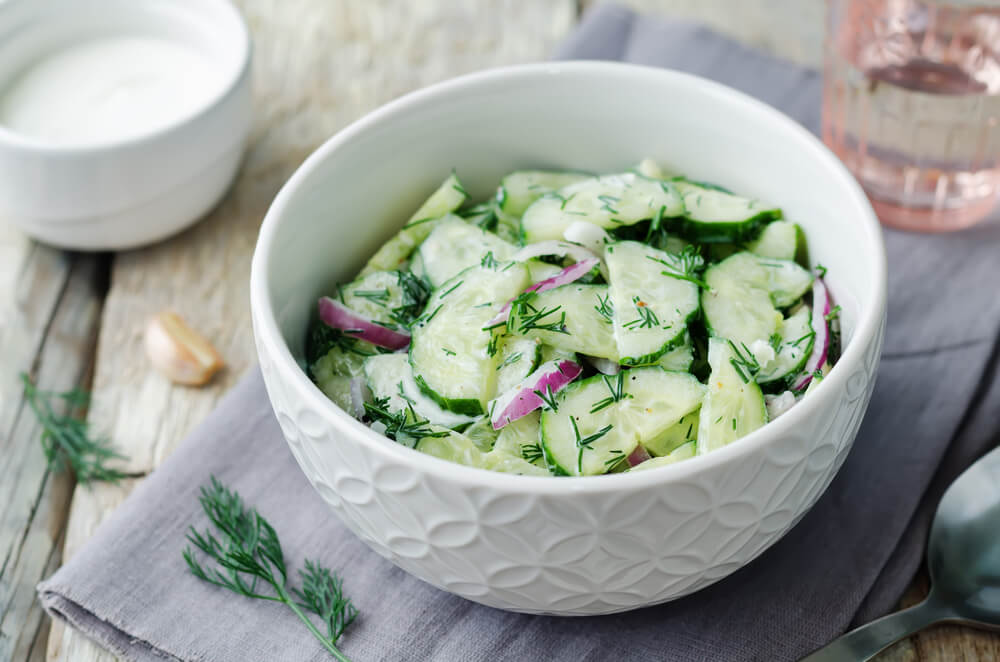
[
  {"x": 124, "y": 193},
  {"x": 563, "y": 545}
]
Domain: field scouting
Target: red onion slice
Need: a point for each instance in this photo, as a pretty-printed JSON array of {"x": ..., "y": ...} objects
[
  {"x": 568, "y": 275},
  {"x": 638, "y": 456},
  {"x": 522, "y": 399},
  {"x": 337, "y": 315},
  {"x": 821, "y": 344}
]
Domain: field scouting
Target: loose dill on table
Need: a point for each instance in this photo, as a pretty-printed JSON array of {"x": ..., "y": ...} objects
[{"x": 66, "y": 440}]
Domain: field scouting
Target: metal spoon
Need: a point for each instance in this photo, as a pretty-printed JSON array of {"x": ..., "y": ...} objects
[{"x": 963, "y": 557}]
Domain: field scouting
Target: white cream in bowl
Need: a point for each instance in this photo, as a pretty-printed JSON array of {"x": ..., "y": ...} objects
[
  {"x": 121, "y": 121},
  {"x": 107, "y": 89}
]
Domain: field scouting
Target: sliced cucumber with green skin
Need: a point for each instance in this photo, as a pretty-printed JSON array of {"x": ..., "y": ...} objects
[
  {"x": 521, "y": 438},
  {"x": 711, "y": 215},
  {"x": 519, "y": 357},
  {"x": 679, "y": 358},
  {"x": 670, "y": 243},
  {"x": 390, "y": 376},
  {"x": 573, "y": 310},
  {"x": 797, "y": 337},
  {"x": 609, "y": 201},
  {"x": 521, "y": 188},
  {"x": 344, "y": 362},
  {"x": 459, "y": 448},
  {"x": 550, "y": 353},
  {"x": 454, "y": 358},
  {"x": 781, "y": 240},
  {"x": 734, "y": 404},
  {"x": 743, "y": 293},
  {"x": 651, "y": 308},
  {"x": 446, "y": 199},
  {"x": 455, "y": 245},
  {"x": 600, "y": 420},
  {"x": 683, "y": 452},
  {"x": 678, "y": 434}
]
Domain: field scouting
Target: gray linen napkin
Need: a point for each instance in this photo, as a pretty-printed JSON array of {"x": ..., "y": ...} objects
[{"x": 850, "y": 558}]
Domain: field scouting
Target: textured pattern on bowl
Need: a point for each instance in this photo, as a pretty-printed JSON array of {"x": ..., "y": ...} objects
[{"x": 565, "y": 546}]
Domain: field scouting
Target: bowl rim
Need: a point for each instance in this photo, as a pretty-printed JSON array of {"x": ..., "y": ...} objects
[
  {"x": 223, "y": 11},
  {"x": 270, "y": 340}
]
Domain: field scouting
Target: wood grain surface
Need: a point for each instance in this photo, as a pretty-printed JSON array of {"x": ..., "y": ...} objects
[{"x": 319, "y": 64}]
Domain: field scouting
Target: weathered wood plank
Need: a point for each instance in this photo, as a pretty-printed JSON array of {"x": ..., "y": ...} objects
[
  {"x": 318, "y": 66},
  {"x": 50, "y": 328}
]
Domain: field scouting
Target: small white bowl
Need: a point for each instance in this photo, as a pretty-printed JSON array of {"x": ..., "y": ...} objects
[
  {"x": 570, "y": 546},
  {"x": 132, "y": 191}
]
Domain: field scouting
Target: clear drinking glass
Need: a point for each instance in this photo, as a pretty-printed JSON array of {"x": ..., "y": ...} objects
[{"x": 911, "y": 102}]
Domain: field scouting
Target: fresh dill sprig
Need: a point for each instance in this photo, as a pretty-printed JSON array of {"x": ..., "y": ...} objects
[
  {"x": 448, "y": 352},
  {"x": 647, "y": 318},
  {"x": 451, "y": 289},
  {"x": 617, "y": 393},
  {"x": 510, "y": 360},
  {"x": 656, "y": 223},
  {"x": 585, "y": 442},
  {"x": 605, "y": 308},
  {"x": 415, "y": 293},
  {"x": 746, "y": 365},
  {"x": 533, "y": 319},
  {"x": 548, "y": 398},
  {"x": 488, "y": 261},
  {"x": 834, "y": 314},
  {"x": 775, "y": 342},
  {"x": 493, "y": 346},
  {"x": 248, "y": 560},
  {"x": 378, "y": 297},
  {"x": 606, "y": 202},
  {"x": 531, "y": 452},
  {"x": 617, "y": 456},
  {"x": 401, "y": 425},
  {"x": 683, "y": 266},
  {"x": 66, "y": 440}
]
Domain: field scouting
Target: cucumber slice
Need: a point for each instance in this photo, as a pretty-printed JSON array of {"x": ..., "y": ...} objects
[
  {"x": 609, "y": 201},
  {"x": 781, "y": 240},
  {"x": 678, "y": 434},
  {"x": 649, "y": 168},
  {"x": 734, "y": 404},
  {"x": 670, "y": 243},
  {"x": 390, "y": 376},
  {"x": 334, "y": 384},
  {"x": 550, "y": 353},
  {"x": 521, "y": 438},
  {"x": 600, "y": 420},
  {"x": 518, "y": 358},
  {"x": 446, "y": 199},
  {"x": 456, "y": 447},
  {"x": 567, "y": 318},
  {"x": 797, "y": 337},
  {"x": 743, "y": 293},
  {"x": 508, "y": 227},
  {"x": 651, "y": 308},
  {"x": 679, "y": 358},
  {"x": 454, "y": 246},
  {"x": 482, "y": 434},
  {"x": 521, "y": 188},
  {"x": 786, "y": 281},
  {"x": 712, "y": 215},
  {"x": 684, "y": 452},
  {"x": 539, "y": 271},
  {"x": 454, "y": 359}
]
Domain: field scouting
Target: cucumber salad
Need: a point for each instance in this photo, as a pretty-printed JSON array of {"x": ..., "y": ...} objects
[{"x": 578, "y": 324}]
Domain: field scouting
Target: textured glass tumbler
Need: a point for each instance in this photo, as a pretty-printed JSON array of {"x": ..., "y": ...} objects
[{"x": 911, "y": 102}]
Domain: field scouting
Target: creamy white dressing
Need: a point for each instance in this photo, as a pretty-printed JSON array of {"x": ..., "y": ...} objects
[{"x": 108, "y": 89}]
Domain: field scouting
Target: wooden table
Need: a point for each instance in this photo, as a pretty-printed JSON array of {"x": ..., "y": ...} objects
[{"x": 76, "y": 320}]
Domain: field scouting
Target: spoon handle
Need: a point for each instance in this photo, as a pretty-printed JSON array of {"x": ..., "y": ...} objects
[{"x": 865, "y": 642}]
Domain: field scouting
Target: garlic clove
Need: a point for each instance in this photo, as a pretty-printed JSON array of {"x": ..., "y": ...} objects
[{"x": 180, "y": 352}]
